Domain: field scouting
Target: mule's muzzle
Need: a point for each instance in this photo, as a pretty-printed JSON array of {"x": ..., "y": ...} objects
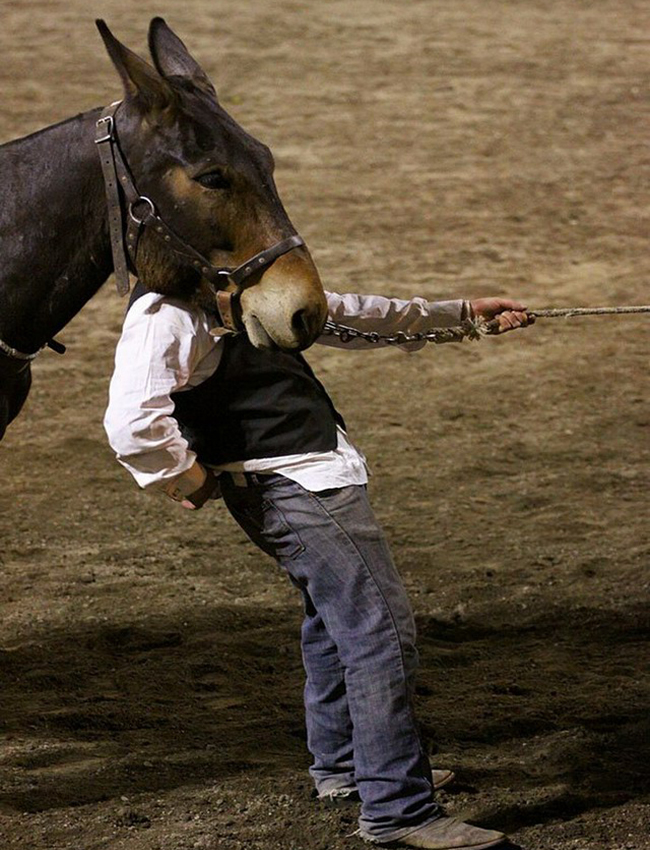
[
  {"x": 306, "y": 323},
  {"x": 273, "y": 323},
  {"x": 275, "y": 296}
]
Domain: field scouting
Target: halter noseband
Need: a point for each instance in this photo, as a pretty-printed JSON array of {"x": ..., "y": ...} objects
[{"x": 141, "y": 213}]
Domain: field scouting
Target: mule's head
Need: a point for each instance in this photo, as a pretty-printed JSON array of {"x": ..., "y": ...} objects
[{"x": 212, "y": 183}]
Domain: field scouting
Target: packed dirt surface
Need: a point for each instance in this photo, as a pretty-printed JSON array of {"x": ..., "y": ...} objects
[{"x": 150, "y": 664}]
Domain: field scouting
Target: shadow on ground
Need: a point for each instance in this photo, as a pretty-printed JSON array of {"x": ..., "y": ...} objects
[{"x": 551, "y": 708}]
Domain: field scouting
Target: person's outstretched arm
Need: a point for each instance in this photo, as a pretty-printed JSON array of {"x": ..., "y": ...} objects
[{"x": 391, "y": 315}]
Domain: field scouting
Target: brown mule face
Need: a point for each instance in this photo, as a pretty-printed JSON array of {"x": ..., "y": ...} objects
[{"x": 212, "y": 183}]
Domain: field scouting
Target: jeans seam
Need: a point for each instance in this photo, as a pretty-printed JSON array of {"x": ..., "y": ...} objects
[
  {"x": 409, "y": 700},
  {"x": 381, "y": 593}
]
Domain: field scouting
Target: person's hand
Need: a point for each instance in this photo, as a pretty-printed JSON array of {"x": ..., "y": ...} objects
[
  {"x": 506, "y": 315},
  {"x": 210, "y": 489}
]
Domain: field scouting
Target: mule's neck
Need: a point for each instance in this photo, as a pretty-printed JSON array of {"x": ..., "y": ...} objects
[{"x": 53, "y": 230}]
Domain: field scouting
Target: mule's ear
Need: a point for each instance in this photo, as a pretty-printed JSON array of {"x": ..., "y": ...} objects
[
  {"x": 172, "y": 58},
  {"x": 141, "y": 82}
]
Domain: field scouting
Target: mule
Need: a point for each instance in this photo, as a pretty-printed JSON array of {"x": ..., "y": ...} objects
[{"x": 205, "y": 177}]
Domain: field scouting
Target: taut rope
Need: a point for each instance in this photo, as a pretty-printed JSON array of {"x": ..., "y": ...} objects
[
  {"x": 569, "y": 312},
  {"x": 469, "y": 328}
]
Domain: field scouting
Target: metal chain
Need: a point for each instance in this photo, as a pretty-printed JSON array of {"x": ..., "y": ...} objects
[
  {"x": 468, "y": 329},
  {"x": 18, "y": 355}
]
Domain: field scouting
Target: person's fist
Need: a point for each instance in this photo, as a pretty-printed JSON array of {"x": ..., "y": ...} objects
[
  {"x": 502, "y": 313},
  {"x": 210, "y": 489}
]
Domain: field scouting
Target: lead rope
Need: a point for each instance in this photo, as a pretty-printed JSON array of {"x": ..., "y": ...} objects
[
  {"x": 570, "y": 312},
  {"x": 473, "y": 329}
]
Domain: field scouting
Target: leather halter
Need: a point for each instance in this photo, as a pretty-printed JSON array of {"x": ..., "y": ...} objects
[{"x": 126, "y": 227}]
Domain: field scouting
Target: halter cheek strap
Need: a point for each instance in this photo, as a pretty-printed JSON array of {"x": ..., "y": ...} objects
[{"x": 226, "y": 309}]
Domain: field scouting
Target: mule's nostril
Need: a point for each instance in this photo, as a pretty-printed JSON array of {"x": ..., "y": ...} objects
[
  {"x": 300, "y": 322},
  {"x": 303, "y": 323}
]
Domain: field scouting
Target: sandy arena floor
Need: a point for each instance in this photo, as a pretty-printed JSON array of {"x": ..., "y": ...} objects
[{"x": 151, "y": 674}]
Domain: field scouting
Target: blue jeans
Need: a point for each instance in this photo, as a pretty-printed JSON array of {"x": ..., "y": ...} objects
[{"x": 358, "y": 645}]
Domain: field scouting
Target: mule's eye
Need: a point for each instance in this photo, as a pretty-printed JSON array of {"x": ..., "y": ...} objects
[{"x": 213, "y": 180}]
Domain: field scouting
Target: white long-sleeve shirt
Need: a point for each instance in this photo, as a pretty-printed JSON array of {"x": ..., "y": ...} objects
[{"x": 167, "y": 346}]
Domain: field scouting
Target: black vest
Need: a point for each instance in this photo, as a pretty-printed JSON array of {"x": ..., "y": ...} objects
[{"x": 257, "y": 404}]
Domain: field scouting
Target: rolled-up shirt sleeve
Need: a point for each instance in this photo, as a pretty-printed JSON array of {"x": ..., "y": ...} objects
[
  {"x": 388, "y": 316},
  {"x": 155, "y": 356}
]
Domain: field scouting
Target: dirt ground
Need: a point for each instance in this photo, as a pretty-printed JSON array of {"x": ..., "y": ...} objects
[{"x": 151, "y": 674}]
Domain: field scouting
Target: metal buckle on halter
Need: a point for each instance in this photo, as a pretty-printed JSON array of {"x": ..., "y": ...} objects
[
  {"x": 146, "y": 200},
  {"x": 229, "y": 311},
  {"x": 108, "y": 120}
]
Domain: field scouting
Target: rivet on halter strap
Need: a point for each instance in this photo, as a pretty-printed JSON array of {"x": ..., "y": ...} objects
[{"x": 125, "y": 231}]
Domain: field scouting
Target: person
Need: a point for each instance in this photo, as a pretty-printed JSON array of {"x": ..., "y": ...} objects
[{"x": 192, "y": 411}]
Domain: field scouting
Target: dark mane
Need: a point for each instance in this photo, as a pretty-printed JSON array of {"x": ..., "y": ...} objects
[{"x": 59, "y": 124}]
